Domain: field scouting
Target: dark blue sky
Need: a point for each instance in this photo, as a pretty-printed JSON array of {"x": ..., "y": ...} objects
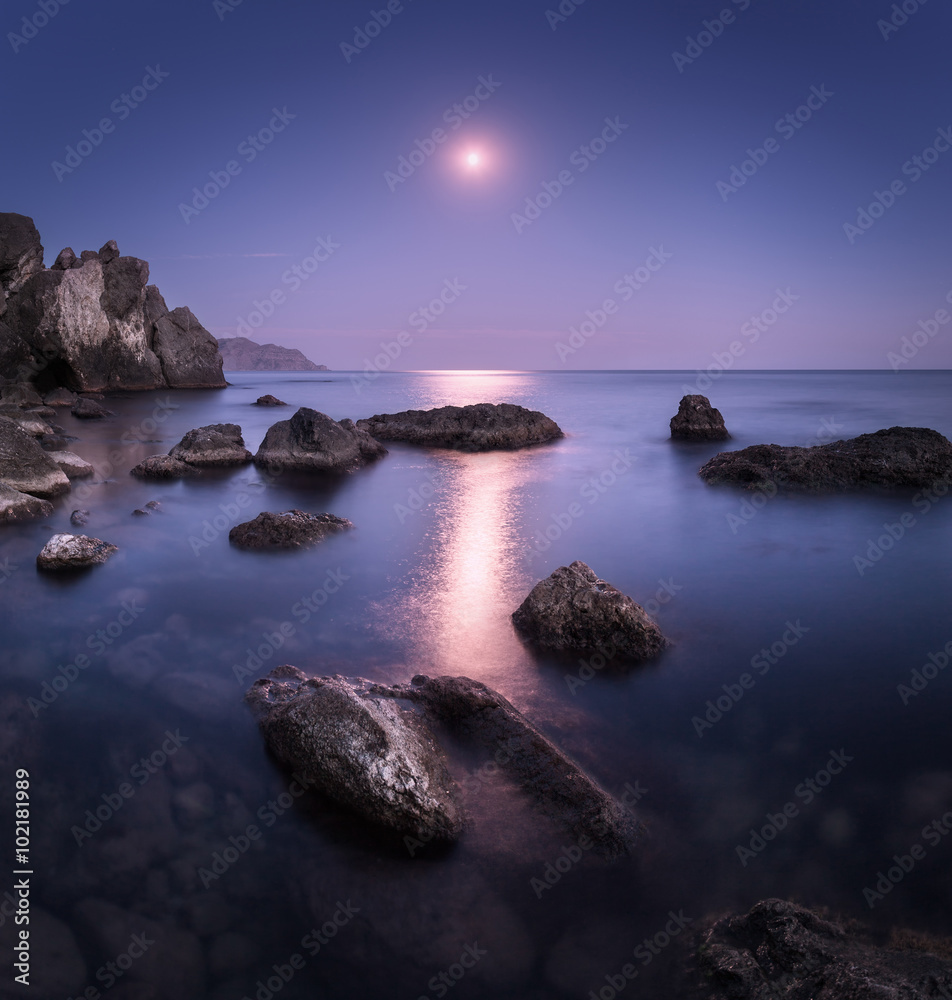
[{"x": 719, "y": 257}]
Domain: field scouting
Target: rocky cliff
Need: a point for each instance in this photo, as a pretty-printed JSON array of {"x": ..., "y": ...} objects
[
  {"x": 93, "y": 322},
  {"x": 243, "y": 355}
]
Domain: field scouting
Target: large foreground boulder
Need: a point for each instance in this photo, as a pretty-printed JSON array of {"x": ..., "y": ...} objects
[
  {"x": 360, "y": 748},
  {"x": 65, "y": 552},
  {"x": 16, "y": 506},
  {"x": 25, "y": 466},
  {"x": 898, "y": 456},
  {"x": 479, "y": 714},
  {"x": 697, "y": 420},
  {"x": 216, "y": 444},
  {"x": 93, "y": 322},
  {"x": 780, "y": 949},
  {"x": 482, "y": 427},
  {"x": 312, "y": 442},
  {"x": 292, "y": 529},
  {"x": 573, "y": 609}
]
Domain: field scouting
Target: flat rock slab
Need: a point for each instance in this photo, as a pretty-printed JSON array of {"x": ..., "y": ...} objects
[
  {"x": 16, "y": 506},
  {"x": 781, "y": 949},
  {"x": 216, "y": 444},
  {"x": 697, "y": 420},
  {"x": 574, "y": 609},
  {"x": 481, "y": 427},
  {"x": 25, "y": 466},
  {"x": 313, "y": 442},
  {"x": 89, "y": 409},
  {"x": 559, "y": 785},
  {"x": 163, "y": 467},
  {"x": 74, "y": 466},
  {"x": 898, "y": 456},
  {"x": 65, "y": 552},
  {"x": 360, "y": 748},
  {"x": 291, "y": 529}
]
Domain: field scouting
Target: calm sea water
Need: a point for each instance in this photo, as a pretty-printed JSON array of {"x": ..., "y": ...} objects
[{"x": 446, "y": 546}]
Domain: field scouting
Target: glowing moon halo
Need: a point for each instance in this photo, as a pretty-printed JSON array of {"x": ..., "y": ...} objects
[{"x": 473, "y": 159}]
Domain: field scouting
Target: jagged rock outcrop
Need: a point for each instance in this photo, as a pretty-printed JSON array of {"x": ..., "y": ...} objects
[
  {"x": 312, "y": 442},
  {"x": 481, "y": 427},
  {"x": 240, "y": 354},
  {"x": 897, "y": 456},
  {"x": 360, "y": 748},
  {"x": 573, "y": 609},
  {"x": 16, "y": 506},
  {"x": 93, "y": 322},
  {"x": 697, "y": 420},
  {"x": 25, "y": 466},
  {"x": 163, "y": 467},
  {"x": 291, "y": 529},
  {"x": 214, "y": 444},
  {"x": 782, "y": 949},
  {"x": 563, "y": 790}
]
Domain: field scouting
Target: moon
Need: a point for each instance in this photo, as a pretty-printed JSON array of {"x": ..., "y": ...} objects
[{"x": 473, "y": 159}]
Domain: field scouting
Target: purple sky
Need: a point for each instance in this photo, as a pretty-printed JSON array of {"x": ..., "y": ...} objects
[{"x": 608, "y": 141}]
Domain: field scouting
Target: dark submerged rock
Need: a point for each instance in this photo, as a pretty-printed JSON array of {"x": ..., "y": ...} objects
[
  {"x": 215, "y": 444},
  {"x": 782, "y": 949},
  {"x": 65, "y": 552},
  {"x": 79, "y": 518},
  {"x": 481, "y": 427},
  {"x": 163, "y": 467},
  {"x": 269, "y": 400},
  {"x": 898, "y": 456},
  {"x": 574, "y": 609},
  {"x": 360, "y": 748},
  {"x": 311, "y": 441},
  {"x": 697, "y": 420},
  {"x": 561, "y": 787},
  {"x": 289, "y": 530},
  {"x": 89, "y": 409}
]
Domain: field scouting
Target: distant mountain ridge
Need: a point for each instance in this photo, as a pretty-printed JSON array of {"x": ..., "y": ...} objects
[{"x": 243, "y": 355}]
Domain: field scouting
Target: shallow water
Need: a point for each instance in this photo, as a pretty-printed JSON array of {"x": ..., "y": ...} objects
[{"x": 446, "y": 546}]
